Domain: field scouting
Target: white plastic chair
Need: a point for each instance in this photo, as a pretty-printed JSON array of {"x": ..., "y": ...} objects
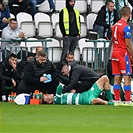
[
  {"x": 54, "y": 19},
  {"x": 54, "y": 54},
  {"x": 82, "y": 43},
  {"x": 57, "y": 30},
  {"x": 59, "y": 4},
  {"x": 83, "y": 29},
  {"x": 32, "y": 45},
  {"x": 77, "y": 54},
  {"x": 22, "y": 16},
  {"x": 44, "y": 7},
  {"x": 81, "y": 6},
  {"x": 11, "y": 15},
  {"x": 54, "y": 43},
  {"x": 41, "y": 17},
  {"x": 96, "y": 5}
]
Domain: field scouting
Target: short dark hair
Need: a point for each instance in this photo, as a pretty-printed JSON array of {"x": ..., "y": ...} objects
[
  {"x": 62, "y": 64},
  {"x": 13, "y": 55},
  {"x": 108, "y": 1},
  {"x": 125, "y": 10},
  {"x": 13, "y": 19},
  {"x": 41, "y": 53}
]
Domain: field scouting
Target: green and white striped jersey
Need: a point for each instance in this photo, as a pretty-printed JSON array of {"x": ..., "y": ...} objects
[{"x": 76, "y": 98}]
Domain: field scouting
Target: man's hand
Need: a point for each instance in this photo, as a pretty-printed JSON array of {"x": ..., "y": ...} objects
[
  {"x": 73, "y": 91},
  {"x": 21, "y": 35},
  {"x": 5, "y": 20},
  {"x": 14, "y": 83},
  {"x": 42, "y": 79},
  {"x": 14, "y": 65}
]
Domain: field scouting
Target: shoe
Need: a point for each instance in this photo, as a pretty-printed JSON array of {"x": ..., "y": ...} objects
[
  {"x": 54, "y": 11},
  {"x": 118, "y": 103},
  {"x": 128, "y": 104},
  {"x": 3, "y": 98}
]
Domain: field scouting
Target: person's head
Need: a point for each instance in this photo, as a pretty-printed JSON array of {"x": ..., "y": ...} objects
[
  {"x": 13, "y": 23},
  {"x": 48, "y": 98},
  {"x": 125, "y": 12},
  {"x": 41, "y": 58},
  {"x": 110, "y": 5},
  {"x": 64, "y": 68},
  {"x": 3, "y": 4},
  {"x": 39, "y": 48},
  {"x": 29, "y": 56},
  {"x": 70, "y": 4},
  {"x": 69, "y": 57},
  {"x": 12, "y": 59}
]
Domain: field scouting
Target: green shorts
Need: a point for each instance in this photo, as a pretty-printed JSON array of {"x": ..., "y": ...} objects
[{"x": 94, "y": 92}]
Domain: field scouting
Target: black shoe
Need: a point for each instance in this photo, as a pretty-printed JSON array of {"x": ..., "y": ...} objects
[{"x": 54, "y": 11}]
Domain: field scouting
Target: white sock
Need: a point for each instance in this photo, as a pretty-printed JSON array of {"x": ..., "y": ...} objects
[{"x": 3, "y": 98}]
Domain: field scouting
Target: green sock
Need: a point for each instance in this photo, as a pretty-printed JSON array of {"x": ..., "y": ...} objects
[
  {"x": 110, "y": 103},
  {"x": 109, "y": 95}
]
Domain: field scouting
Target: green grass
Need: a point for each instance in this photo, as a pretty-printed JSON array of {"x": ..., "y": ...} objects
[{"x": 65, "y": 118}]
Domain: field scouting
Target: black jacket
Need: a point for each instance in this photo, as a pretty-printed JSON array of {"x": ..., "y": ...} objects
[
  {"x": 81, "y": 78},
  {"x": 73, "y": 29},
  {"x": 7, "y": 72},
  {"x": 101, "y": 17}
]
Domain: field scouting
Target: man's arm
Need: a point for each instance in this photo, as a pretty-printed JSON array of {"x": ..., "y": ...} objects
[
  {"x": 129, "y": 46},
  {"x": 57, "y": 99}
]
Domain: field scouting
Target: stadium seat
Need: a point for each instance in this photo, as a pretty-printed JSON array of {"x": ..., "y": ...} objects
[
  {"x": 81, "y": 6},
  {"x": 54, "y": 43},
  {"x": 44, "y": 7},
  {"x": 77, "y": 54},
  {"x": 54, "y": 54},
  {"x": 22, "y": 16},
  {"x": 54, "y": 19},
  {"x": 41, "y": 17},
  {"x": 59, "y": 4},
  {"x": 58, "y": 33},
  {"x": 96, "y": 5},
  {"x": 83, "y": 29},
  {"x": 32, "y": 45},
  {"x": 11, "y": 15}
]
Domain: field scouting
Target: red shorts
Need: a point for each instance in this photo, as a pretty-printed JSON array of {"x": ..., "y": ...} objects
[{"x": 121, "y": 64}]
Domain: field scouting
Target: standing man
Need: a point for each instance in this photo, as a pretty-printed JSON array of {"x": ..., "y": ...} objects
[
  {"x": 39, "y": 74},
  {"x": 69, "y": 22},
  {"x": 122, "y": 50},
  {"x": 107, "y": 16},
  {"x": 4, "y": 15}
]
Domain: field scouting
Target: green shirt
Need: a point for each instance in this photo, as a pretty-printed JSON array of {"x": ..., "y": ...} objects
[{"x": 76, "y": 98}]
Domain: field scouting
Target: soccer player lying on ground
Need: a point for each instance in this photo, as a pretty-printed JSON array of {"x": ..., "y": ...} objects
[{"x": 87, "y": 97}]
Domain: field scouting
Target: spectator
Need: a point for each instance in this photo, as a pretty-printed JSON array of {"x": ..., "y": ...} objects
[
  {"x": 131, "y": 3},
  {"x": 39, "y": 48},
  {"x": 23, "y": 4},
  {"x": 33, "y": 4},
  {"x": 39, "y": 74},
  {"x": 69, "y": 22},
  {"x": 107, "y": 16},
  {"x": 86, "y": 98},
  {"x": 9, "y": 76},
  {"x": 122, "y": 50},
  {"x": 11, "y": 32},
  {"x": 21, "y": 64},
  {"x": 4, "y": 15},
  {"x": 81, "y": 78}
]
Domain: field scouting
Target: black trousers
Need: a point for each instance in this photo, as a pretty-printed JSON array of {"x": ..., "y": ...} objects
[{"x": 49, "y": 88}]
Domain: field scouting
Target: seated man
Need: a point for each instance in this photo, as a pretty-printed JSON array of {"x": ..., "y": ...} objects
[
  {"x": 11, "y": 32},
  {"x": 4, "y": 15},
  {"x": 85, "y": 98},
  {"x": 9, "y": 76},
  {"x": 39, "y": 74},
  {"x": 33, "y": 4},
  {"x": 106, "y": 17},
  {"x": 23, "y": 4}
]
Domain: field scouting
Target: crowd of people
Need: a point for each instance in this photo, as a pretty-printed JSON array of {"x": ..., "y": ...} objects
[{"x": 68, "y": 82}]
